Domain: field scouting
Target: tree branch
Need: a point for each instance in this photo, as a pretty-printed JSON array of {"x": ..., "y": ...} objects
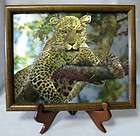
[{"x": 90, "y": 73}]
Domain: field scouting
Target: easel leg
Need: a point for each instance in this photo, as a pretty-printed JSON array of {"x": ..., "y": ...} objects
[
  {"x": 45, "y": 117},
  {"x": 99, "y": 117}
]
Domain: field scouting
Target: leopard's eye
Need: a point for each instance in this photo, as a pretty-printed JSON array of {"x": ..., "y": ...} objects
[
  {"x": 79, "y": 31},
  {"x": 63, "y": 31}
]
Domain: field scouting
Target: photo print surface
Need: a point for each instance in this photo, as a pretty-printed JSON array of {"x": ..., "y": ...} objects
[{"x": 70, "y": 57}]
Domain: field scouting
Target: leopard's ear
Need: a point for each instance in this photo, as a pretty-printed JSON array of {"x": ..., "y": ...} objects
[
  {"x": 86, "y": 19},
  {"x": 54, "y": 21}
]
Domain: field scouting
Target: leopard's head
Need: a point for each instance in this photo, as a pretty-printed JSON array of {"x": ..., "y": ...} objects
[{"x": 70, "y": 31}]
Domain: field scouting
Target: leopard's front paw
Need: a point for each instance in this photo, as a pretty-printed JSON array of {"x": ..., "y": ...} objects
[{"x": 114, "y": 66}]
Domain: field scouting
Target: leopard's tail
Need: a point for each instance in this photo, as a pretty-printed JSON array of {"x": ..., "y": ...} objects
[{"x": 20, "y": 79}]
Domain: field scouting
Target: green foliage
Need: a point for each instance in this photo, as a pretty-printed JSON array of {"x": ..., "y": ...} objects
[
  {"x": 19, "y": 62},
  {"x": 112, "y": 90}
]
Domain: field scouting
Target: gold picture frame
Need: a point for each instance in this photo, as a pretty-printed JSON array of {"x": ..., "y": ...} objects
[{"x": 9, "y": 74}]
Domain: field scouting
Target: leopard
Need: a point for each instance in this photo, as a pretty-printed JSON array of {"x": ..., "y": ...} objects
[{"x": 66, "y": 46}]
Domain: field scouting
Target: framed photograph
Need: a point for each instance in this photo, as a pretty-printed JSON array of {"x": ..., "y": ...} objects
[{"x": 70, "y": 57}]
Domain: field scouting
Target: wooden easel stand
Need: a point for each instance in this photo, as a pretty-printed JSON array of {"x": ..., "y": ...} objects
[{"x": 47, "y": 117}]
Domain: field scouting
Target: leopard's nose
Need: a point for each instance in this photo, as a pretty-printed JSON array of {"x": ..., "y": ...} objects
[{"x": 72, "y": 43}]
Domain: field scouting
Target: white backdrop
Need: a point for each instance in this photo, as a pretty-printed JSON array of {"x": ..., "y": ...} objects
[{"x": 124, "y": 122}]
